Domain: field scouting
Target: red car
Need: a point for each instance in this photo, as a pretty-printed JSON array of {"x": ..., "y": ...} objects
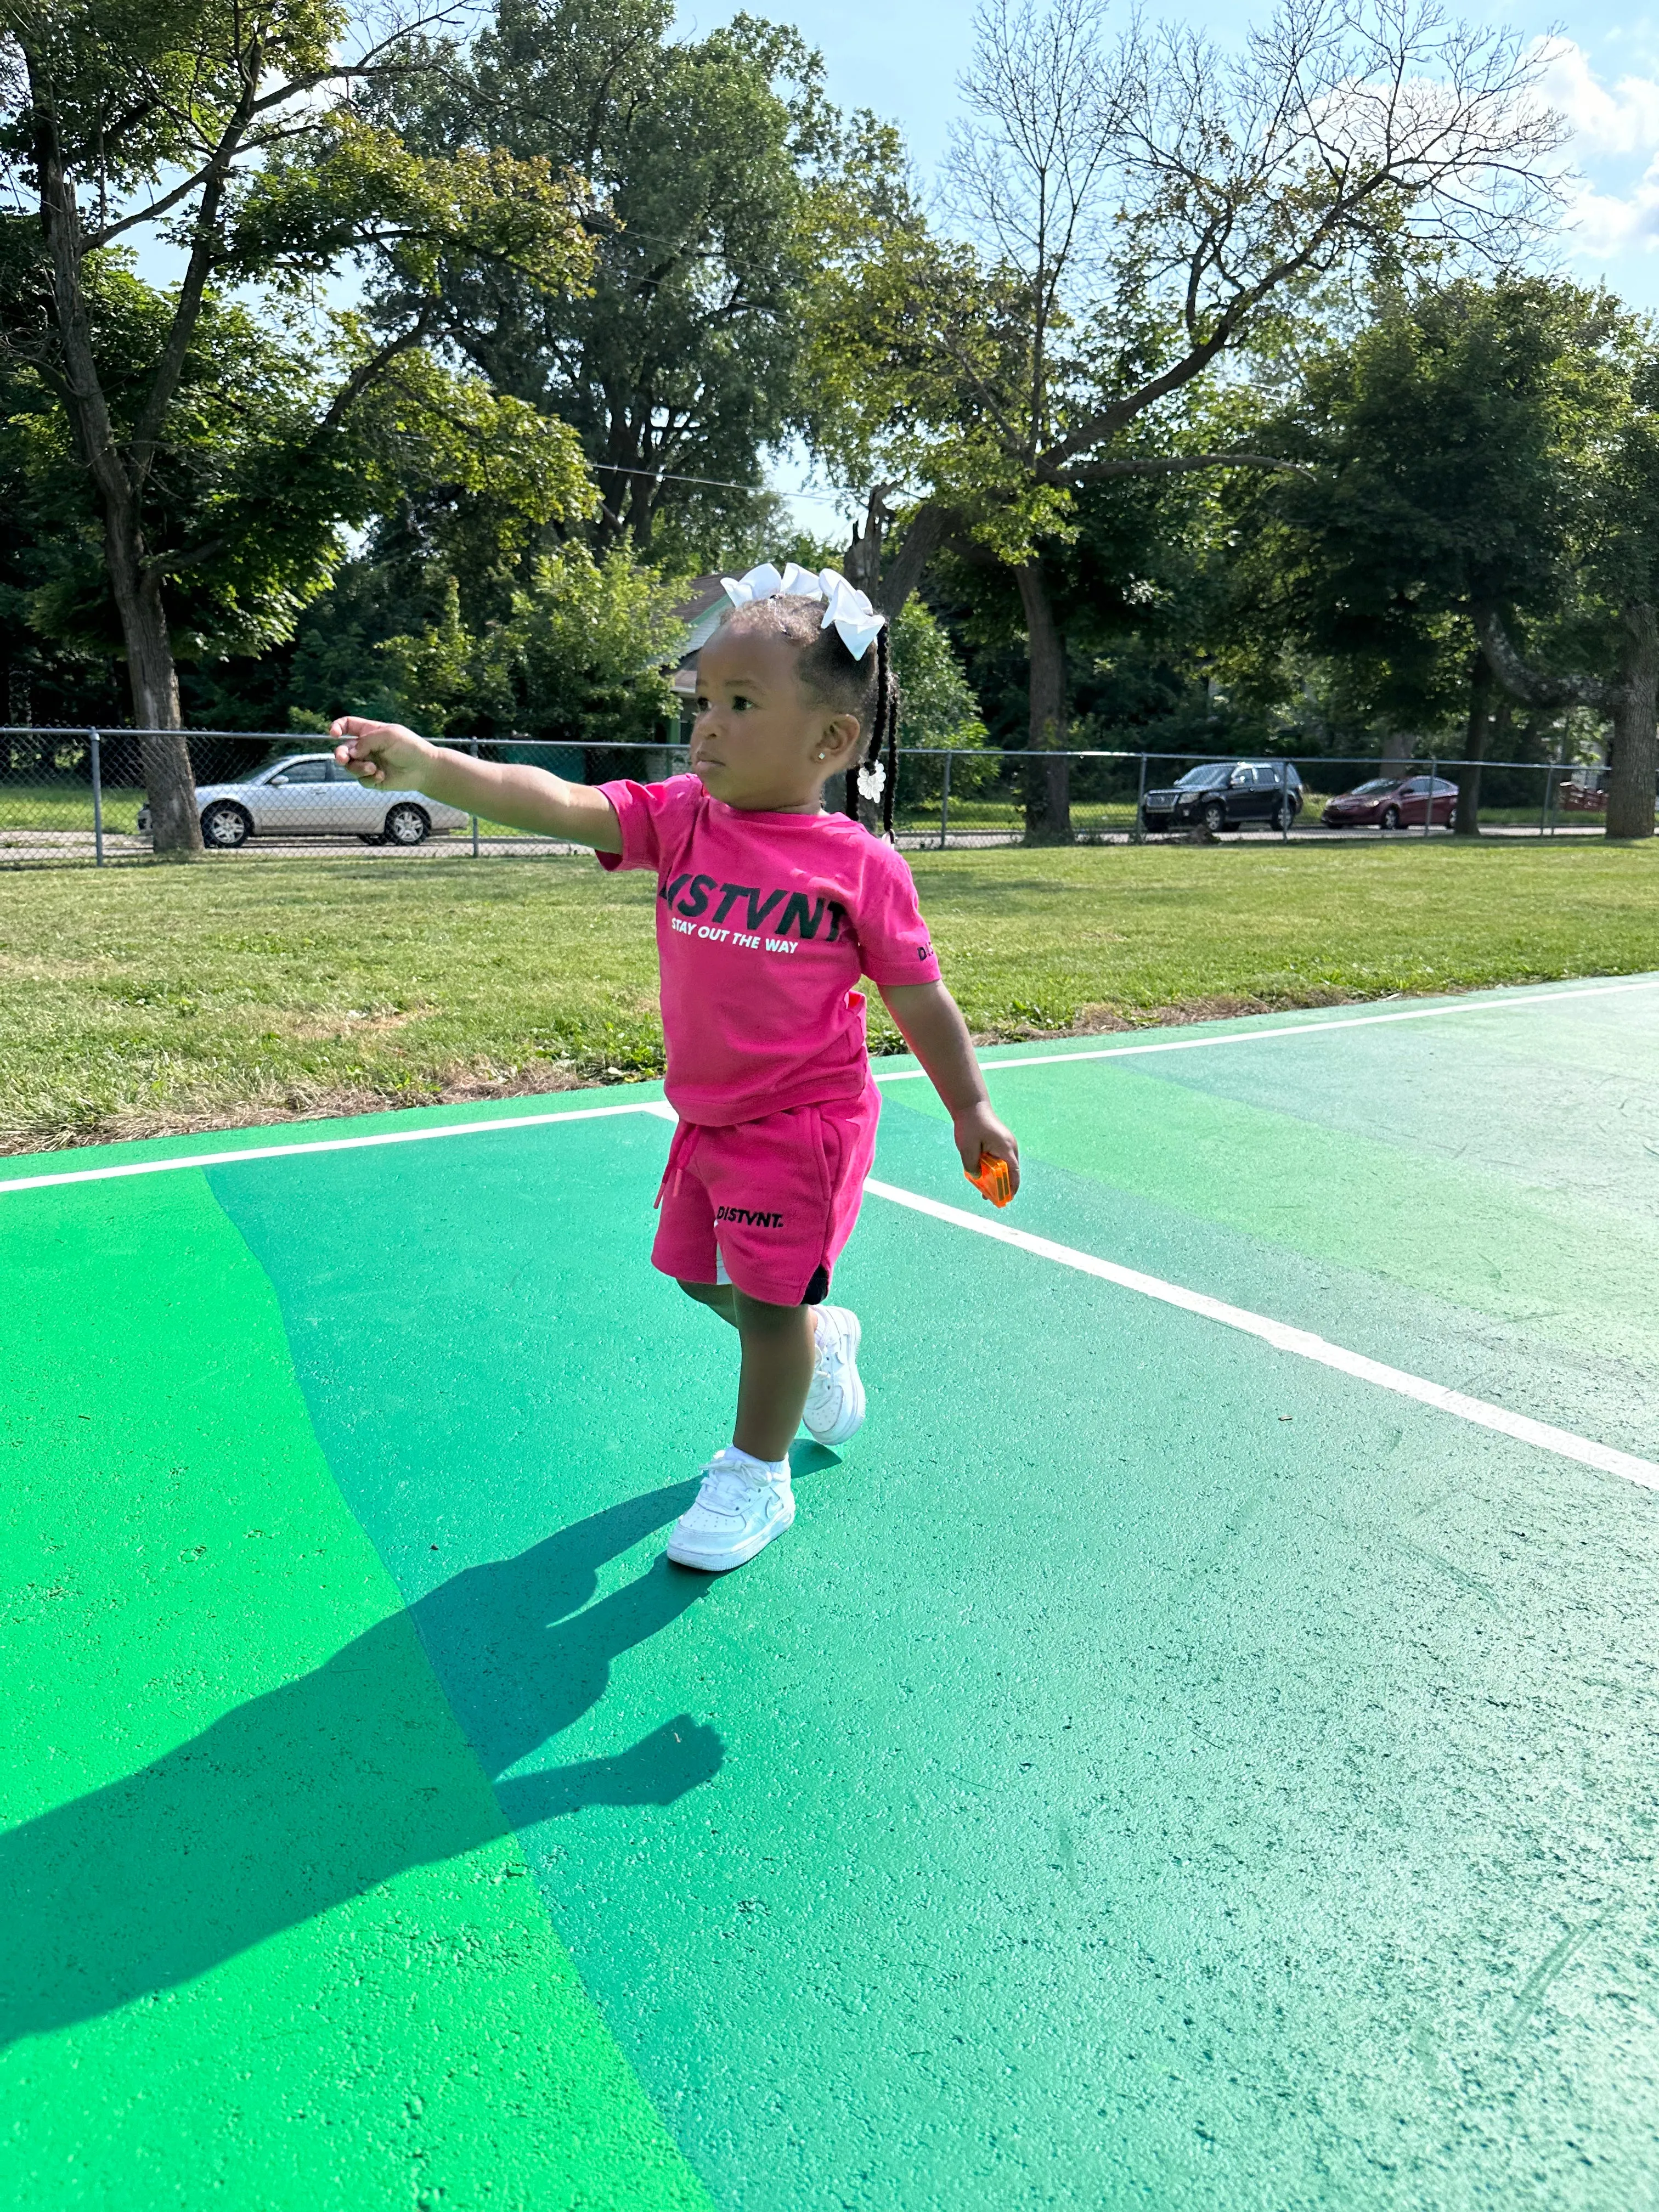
[{"x": 1391, "y": 803}]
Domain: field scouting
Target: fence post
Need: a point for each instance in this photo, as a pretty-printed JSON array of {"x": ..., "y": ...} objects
[
  {"x": 945, "y": 804},
  {"x": 1545, "y": 827},
  {"x": 1140, "y": 831},
  {"x": 1283, "y": 805},
  {"x": 472, "y": 747},
  {"x": 1428, "y": 811},
  {"x": 97, "y": 800}
]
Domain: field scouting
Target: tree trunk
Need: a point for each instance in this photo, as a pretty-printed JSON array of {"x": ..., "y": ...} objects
[
  {"x": 1466, "y": 816},
  {"x": 169, "y": 780},
  {"x": 1630, "y": 787},
  {"x": 1047, "y": 781},
  {"x": 924, "y": 533},
  {"x": 137, "y": 591},
  {"x": 861, "y": 562},
  {"x": 1398, "y": 749}
]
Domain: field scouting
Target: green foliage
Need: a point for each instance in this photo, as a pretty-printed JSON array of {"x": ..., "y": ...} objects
[
  {"x": 936, "y": 709},
  {"x": 921, "y": 354},
  {"x": 1473, "y": 444},
  {"x": 136, "y": 87},
  {"x": 195, "y": 451},
  {"x": 243, "y": 501},
  {"x": 721, "y": 174},
  {"x": 352, "y": 188},
  {"x": 248, "y": 474},
  {"x": 579, "y": 656}
]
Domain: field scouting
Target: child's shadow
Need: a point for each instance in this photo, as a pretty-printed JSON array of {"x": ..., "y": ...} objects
[{"x": 322, "y": 1789}]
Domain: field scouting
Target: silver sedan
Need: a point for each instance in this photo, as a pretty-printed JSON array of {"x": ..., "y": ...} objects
[{"x": 311, "y": 796}]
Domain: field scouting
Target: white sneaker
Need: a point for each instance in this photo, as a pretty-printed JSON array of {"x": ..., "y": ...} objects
[
  {"x": 834, "y": 1404},
  {"x": 738, "y": 1510}
]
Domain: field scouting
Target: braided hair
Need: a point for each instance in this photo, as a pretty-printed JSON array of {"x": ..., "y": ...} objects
[
  {"x": 884, "y": 732},
  {"x": 828, "y": 671}
]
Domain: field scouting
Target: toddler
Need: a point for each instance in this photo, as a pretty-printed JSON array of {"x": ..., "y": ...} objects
[{"x": 769, "y": 909}]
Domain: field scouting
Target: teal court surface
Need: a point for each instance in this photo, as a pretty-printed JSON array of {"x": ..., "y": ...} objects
[{"x": 1196, "y": 1749}]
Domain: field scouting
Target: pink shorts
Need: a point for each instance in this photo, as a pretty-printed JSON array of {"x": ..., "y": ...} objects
[{"x": 767, "y": 1205}]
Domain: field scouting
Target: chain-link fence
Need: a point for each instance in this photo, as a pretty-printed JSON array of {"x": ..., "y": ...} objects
[
  {"x": 78, "y": 795},
  {"x": 988, "y": 797},
  {"x": 68, "y": 795}
]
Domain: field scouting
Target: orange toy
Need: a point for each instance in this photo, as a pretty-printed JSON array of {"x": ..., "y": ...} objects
[{"x": 992, "y": 1181}]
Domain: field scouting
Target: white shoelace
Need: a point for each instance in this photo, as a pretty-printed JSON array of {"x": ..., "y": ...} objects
[{"x": 726, "y": 1489}]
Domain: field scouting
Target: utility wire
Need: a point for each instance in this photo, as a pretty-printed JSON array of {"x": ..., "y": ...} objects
[{"x": 725, "y": 484}]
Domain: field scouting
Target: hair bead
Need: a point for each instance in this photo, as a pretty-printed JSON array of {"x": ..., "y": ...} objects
[{"x": 889, "y": 712}]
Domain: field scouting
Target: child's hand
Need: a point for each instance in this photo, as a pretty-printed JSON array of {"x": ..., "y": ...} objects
[
  {"x": 379, "y": 753},
  {"x": 978, "y": 1130}
]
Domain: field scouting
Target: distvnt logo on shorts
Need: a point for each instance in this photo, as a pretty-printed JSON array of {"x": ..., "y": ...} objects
[{"x": 754, "y": 1220}]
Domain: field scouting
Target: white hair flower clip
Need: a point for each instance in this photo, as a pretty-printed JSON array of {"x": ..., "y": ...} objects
[{"x": 856, "y": 622}]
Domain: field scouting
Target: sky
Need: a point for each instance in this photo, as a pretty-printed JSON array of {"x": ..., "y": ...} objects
[{"x": 901, "y": 57}]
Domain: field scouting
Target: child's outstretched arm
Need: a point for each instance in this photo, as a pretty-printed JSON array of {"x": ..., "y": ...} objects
[
  {"x": 502, "y": 791},
  {"x": 933, "y": 1029}
]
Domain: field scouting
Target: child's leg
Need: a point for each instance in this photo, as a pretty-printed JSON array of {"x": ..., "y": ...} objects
[{"x": 778, "y": 1353}]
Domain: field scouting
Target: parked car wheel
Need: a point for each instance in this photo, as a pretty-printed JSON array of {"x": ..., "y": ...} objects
[
  {"x": 1284, "y": 815},
  {"x": 225, "y": 825},
  {"x": 406, "y": 825},
  {"x": 1214, "y": 817},
  {"x": 1389, "y": 818}
]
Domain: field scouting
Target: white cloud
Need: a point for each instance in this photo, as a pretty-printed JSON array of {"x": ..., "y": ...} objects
[
  {"x": 1614, "y": 210},
  {"x": 1602, "y": 224},
  {"x": 1625, "y": 121}
]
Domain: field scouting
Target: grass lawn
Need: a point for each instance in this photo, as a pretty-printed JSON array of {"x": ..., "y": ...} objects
[
  {"x": 66, "y": 806},
  {"x": 150, "y": 998}
]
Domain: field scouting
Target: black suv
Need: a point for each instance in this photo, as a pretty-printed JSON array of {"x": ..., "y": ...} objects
[{"x": 1226, "y": 795}]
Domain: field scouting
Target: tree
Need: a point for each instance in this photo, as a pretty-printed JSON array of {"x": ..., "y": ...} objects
[
  {"x": 1136, "y": 216},
  {"x": 581, "y": 655},
  {"x": 1482, "y": 465},
  {"x": 724, "y": 174},
  {"x": 938, "y": 711},
  {"x": 470, "y": 490},
  {"x": 231, "y": 127},
  {"x": 41, "y": 680}
]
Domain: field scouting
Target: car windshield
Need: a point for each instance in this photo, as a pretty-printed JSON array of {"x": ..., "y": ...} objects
[
  {"x": 1368, "y": 790},
  {"x": 1196, "y": 778}
]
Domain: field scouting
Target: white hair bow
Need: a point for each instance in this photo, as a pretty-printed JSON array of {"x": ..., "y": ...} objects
[{"x": 857, "y": 623}]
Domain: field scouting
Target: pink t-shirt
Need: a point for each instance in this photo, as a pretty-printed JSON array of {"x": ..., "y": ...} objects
[{"x": 765, "y": 923}]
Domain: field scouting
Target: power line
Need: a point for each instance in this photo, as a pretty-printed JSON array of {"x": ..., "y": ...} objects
[{"x": 725, "y": 484}]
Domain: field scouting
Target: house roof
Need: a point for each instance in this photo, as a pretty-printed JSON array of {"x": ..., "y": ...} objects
[
  {"x": 700, "y": 611},
  {"x": 706, "y": 593}
]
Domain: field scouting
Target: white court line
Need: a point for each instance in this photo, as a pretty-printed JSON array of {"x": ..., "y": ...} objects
[
  {"x": 1293, "y": 1029},
  {"x": 898, "y": 1075},
  {"x": 331, "y": 1145},
  {"x": 1562, "y": 1441}
]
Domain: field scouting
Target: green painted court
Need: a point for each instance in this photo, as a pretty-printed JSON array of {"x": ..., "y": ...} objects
[{"x": 1196, "y": 1749}]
